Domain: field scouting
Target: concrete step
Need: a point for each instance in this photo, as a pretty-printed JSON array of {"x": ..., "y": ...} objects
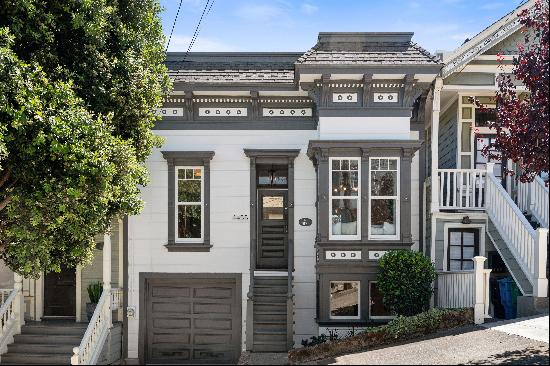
[
  {"x": 22, "y": 348},
  {"x": 52, "y": 340},
  {"x": 262, "y": 316},
  {"x": 278, "y": 325},
  {"x": 262, "y": 335},
  {"x": 266, "y": 290},
  {"x": 267, "y": 307},
  {"x": 280, "y": 281},
  {"x": 54, "y": 330},
  {"x": 36, "y": 359},
  {"x": 269, "y": 346}
]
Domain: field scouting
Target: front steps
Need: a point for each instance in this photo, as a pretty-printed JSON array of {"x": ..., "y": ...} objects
[
  {"x": 45, "y": 343},
  {"x": 270, "y": 330}
]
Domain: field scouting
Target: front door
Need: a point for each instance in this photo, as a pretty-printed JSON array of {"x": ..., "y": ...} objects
[
  {"x": 272, "y": 229},
  {"x": 60, "y": 293}
]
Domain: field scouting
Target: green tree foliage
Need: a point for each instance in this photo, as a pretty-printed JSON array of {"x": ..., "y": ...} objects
[
  {"x": 79, "y": 84},
  {"x": 405, "y": 280}
]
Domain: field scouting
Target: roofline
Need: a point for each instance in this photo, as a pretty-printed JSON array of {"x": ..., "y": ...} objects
[{"x": 225, "y": 54}]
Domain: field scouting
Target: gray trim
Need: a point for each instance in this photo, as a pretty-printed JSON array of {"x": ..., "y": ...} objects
[
  {"x": 175, "y": 158},
  {"x": 272, "y": 153},
  {"x": 144, "y": 276}
]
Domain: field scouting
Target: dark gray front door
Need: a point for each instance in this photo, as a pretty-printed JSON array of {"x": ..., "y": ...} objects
[
  {"x": 192, "y": 320},
  {"x": 272, "y": 229},
  {"x": 60, "y": 293}
]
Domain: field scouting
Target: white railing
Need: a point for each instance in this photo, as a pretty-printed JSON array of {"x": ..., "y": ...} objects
[
  {"x": 98, "y": 329},
  {"x": 528, "y": 246},
  {"x": 4, "y": 293},
  {"x": 116, "y": 298},
  {"x": 461, "y": 189},
  {"x": 465, "y": 289},
  {"x": 533, "y": 198},
  {"x": 10, "y": 317}
]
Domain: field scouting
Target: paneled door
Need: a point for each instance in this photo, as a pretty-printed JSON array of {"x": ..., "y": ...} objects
[
  {"x": 60, "y": 293},
  {"x": 272, "y": 229}
]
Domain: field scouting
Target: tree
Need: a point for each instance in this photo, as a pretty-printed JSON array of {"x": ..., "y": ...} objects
[
  {"x": 405, "y": 280},
  {"x": 522, "y": 118},
  {"x": 80, "y": 81}
]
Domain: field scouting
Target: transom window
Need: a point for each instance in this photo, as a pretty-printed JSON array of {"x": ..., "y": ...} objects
[
  {"x": 345, "y": 205},
  {"x": 190, "y": 203},
  {"x": 463, "y": 246},
  {"x": 344, "y": 299},
  {"x": 384, "y": 198}
]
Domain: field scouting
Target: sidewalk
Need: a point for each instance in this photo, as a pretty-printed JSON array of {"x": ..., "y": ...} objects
[{"x": 534, "y": 327}]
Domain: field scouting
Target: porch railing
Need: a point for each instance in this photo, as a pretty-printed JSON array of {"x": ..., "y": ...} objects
[
  {"x": 461, "y": 189},
  {"x": 89, "y": 350},
  {"x": 10, "y": 317},
  {"x": 465, "y": 289},
  {"x": 532, "y": 198}
]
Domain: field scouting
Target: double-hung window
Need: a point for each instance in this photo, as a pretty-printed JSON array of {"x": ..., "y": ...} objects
[
  {"x": 384, "y": 198},
  {"x": 345, "y": 203},
  {"x": 189, "y": 203}
]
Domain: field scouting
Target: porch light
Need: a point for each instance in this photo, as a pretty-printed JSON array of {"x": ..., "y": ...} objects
[{"x": 466, "y": 220}]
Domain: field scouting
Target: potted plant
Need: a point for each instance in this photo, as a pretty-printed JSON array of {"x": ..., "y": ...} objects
[{"x": 94, "y": 293}]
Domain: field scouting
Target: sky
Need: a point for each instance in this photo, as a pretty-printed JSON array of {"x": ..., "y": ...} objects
[{"x": 293, "y": 25}]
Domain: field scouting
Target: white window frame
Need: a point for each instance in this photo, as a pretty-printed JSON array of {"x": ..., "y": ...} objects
[
  {"x": 358, "y": 301},
  {"x": 178, "y": 203},
  {"x": 397, "y": 198},
  {"x": 358, "y": 198},
  {"x": 375, "y": 317}
]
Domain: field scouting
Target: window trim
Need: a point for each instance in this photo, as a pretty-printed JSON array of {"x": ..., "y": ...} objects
[
  {"x": 377, "y": 317},
  {"x": 357, "y": 236},
  {"x": 188, "y": 158},
  {"x": 397, "y": 198},
  {"x": 177, "y": 204},
  {"x": 450, "y": 225},
  {"x": 358, "y": 317}
]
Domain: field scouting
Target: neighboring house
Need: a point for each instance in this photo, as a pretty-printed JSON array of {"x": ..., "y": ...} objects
[{"x": 283, "y": 178}]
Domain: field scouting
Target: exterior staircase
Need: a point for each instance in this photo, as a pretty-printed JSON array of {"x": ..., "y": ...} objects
[
  {"x": 270, "y": 330},
  {"x": 46, "y": 343}
]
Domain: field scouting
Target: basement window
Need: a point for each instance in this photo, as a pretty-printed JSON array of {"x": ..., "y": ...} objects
[{"x": 344, "y": 299}]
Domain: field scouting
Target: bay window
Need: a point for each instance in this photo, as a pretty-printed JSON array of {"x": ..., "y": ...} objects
[
  {"x": 384, "y": 198},
  {"x": 345, "y": 193}
]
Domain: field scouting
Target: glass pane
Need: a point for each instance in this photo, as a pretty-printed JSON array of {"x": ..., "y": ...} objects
[
  {"x": 189, "y": 173},
  {"x": 455, "y": 265},
  {"x": 273, "y": 208},
  {"x": 455, "y": 252},
  {"x": 383, "y": 164},
  {"x": 393, "y": 164},
  {"x": 272, "y": 175},
  {"x": 344, "y": 217},
  {"x": 181, "y": 173},
  {"x": 189, "y": 190},
  {"x": 466, "y": 113},
  {"x": 455, "y": 238},
  {"x": 377, "y": 307},
  {"x": 336, "y": 164},
  {"x": 484, "y": 117},
  {"x": 465, "y": 161},
  {"x": 344, "y": 299},
  {"x": 383, "y": 217},
  {"x": 345, "y": 183},
  {"x": 383, "y": 183},
  {"x": 468, "y": 265},
  {"x": 375, "y": 164},
  {"x": 198, "y": 174},
  {"x": 468, "y": 252},
  {"x": 466, "y": 100},
  {"x": 486, "y": 100},
  {"x": 189, "y": 221},
  {"x": 354, "y": 164},
  {"x": 468, "y": 238},
  {"x": 345, "y": 164},
  {"x": 466, "y": 137}
]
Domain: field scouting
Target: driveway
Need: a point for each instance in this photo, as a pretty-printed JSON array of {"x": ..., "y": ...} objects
[{"x": 468, "y": 345}]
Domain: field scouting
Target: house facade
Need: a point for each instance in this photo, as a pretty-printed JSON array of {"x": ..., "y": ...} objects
[{"x": 283, "y": 179}]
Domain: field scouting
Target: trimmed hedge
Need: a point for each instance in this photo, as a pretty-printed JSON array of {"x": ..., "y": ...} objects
[{"x": 397, "y": 330}]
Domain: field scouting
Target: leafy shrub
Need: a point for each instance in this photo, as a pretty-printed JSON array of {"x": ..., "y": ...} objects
[
  {"x": 405, "y": 280},
  {"x": 94, "y": 291},
  {"x": 399, "y": 329}
]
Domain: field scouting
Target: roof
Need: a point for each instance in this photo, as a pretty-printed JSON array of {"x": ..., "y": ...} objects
[
  {"x": 234, "y": 67},
  {"x": 367, "y": 48}
]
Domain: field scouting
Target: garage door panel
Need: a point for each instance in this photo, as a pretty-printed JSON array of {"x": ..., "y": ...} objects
[{"x": 192, "y": 320}]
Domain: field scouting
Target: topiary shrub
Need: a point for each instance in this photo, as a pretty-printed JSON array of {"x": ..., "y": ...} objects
[{"x": 405, "y": 281}]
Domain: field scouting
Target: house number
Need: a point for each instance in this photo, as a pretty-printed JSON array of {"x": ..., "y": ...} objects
[
  {"x": 305, "y": 221},
  {"x": 343, "y": 254}
]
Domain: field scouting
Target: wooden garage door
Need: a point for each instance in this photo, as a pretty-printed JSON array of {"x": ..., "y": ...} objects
[{"x": 192, "y": 320}]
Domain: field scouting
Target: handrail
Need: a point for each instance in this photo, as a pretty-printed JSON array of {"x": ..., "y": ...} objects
[
  {"x": 532, "y": 198},
  {"x": 4, "y": 293},
  {"x": 87, "y": 353},
  {"x": 8, "y": 318}
]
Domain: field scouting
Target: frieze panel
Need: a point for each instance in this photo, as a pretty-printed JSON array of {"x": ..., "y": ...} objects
[
  {"x": 344, "y": 97},
  {"x": 223, "y": 112},
  {"x": 287, "y": 112},
  {"x": 385, "y": 97},
  {"x": 170, "y": 112}
]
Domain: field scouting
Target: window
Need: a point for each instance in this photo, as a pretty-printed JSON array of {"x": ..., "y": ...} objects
[
  {"x": 481, "y": 141},
  {"x": 190, "y": 203},
  {"x": 485, "y": 116},
  {"x": 344, "y": 299},
  {"x": 377, "y": 310},
  {"x": 463, "y": 246},
  {"x": 384, "y": 198},
  {"x": 345, "y": 205}
]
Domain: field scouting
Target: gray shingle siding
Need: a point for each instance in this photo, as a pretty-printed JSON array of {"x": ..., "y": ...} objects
[{"x": 447, "y": 139}]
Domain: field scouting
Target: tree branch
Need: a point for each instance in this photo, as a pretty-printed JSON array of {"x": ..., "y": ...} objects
[
  {"x": 5, "y": 177},
  {"x": 5, "y": 202}
]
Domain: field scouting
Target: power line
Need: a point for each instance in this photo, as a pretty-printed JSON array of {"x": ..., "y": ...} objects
[
  {"x": 205, "y": 12},
  {"x": 173, "y": 26}
]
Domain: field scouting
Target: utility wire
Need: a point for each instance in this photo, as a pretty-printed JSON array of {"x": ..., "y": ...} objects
[
  {"x": 205, "y": 12},
  {"x": 173, "y": 26}
]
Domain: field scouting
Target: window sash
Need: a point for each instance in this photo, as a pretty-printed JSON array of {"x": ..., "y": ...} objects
[
  {"x": 189, "y": 203},
  {"x": 357, "y": 197},
  {"x": 395, "y": 197}
]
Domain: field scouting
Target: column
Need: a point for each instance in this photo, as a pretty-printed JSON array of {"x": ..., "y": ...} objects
[
  {"x": 540, "y": 288},
  {"x": 19, "y": 303},
  {"x": 479, "y": 290},
  {"x": 107, "y": 273},
  {"x": 436, "y": 107}
]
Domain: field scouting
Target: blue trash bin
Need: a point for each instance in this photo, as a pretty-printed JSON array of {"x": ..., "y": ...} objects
[{"x": 506, "y": 286}]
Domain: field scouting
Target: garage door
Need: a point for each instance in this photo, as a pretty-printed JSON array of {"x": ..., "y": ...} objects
[{"x": 192, "y": 320}]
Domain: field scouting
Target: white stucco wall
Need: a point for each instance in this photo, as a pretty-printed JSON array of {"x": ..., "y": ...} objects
[
  {"x": 230, "y": 191},
  {"x": 364, "y": 128}
]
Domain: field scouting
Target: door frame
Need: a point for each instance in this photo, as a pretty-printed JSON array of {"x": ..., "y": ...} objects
[
  {"x": 271, "y": 156},
  {"x": 276, "y": 191}
]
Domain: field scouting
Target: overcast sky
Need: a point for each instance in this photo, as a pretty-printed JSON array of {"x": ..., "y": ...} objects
[{"x": 292, "y": 25}]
